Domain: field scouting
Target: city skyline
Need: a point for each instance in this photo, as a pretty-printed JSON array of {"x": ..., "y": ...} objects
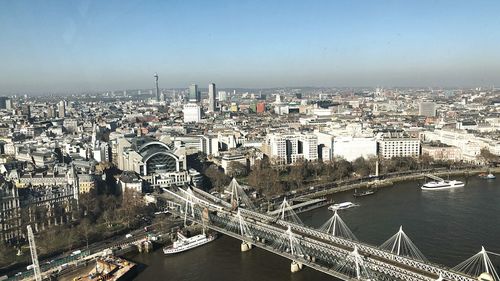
[
  {"x": 92, "y": 46},
  {"x": 135, "y": 132}
]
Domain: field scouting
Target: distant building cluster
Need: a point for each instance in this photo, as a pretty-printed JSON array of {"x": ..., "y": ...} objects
[{"x": 54, "y": 149}]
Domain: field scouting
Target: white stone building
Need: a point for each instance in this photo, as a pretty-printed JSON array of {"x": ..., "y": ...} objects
[
  {"x": 192, "y": 113},
  {"x": 288, "y": 148},
  {"x": 389, "y": 147}
]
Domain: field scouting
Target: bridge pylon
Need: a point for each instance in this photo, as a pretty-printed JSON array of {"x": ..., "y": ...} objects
[
  {"x": 286, "y": 213},
  {"x": 188, "y": 209},
  {"x": 358, "y": 261},
  {"x": 336, "y": 227},
  {"x": 401, "y": 245},
  {"x": 302, "y": 244},
  {"x": 288, "y": 242},
  {"x": 238, "y": 196},
  {"x": 479, "y": 265},
  {"x": 353, "y": 265},
  {"x": 245, "y": 232}
]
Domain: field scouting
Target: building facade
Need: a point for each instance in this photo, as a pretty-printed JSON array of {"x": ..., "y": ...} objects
[
  {"x": 351, "y": 148},
  {"x": 427, "y": 108},
  {"x": 442, "y": 152},
  {"x": 211, "y": 97},
  {"x": 156, "y": 162},
  {"x": 286, "y": 149},
  {"x": 192, "y": 113},
  {"x": 194, "y": 94},
  {"x": 389, "y": 147}
]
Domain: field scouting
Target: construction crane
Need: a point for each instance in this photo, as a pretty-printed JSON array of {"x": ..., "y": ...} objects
[{"x": 34, "y": 256}]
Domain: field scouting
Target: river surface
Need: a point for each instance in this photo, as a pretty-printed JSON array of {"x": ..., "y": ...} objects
[{"x": 448, "y": 226}]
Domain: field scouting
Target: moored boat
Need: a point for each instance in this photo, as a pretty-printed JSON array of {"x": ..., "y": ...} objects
[
  {"x": 444, "y": 184},
  {"x": 183, "y": 243},
  {"x": 341, "y": 206},
  {"x": 490, "y": 176},
  {"x": 363, "y": 193}
]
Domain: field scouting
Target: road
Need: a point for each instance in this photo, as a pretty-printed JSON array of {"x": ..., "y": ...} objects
[{"x": 57, "y": 263}]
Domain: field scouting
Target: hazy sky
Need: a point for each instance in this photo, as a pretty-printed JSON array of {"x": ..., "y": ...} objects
[{"x": 98, "y": 45}]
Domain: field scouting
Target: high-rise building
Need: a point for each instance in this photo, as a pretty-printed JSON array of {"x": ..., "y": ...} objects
[
  {"x": 261, "y": 107},
  {"x": 211, "y": 97},
  {"x": 26, "y": 110},
  {"x": 61, "y": 108},
  {"x": 8, "y": 104},
  {"x": 192, "y": 113},
  {"x": 3, "y": 102},
  {"x": 51, "y": 111},
  {"x": 194, "y": 94},
  {"x": 157, "y": 88},
  {"x": 427, "y": 108},
  {"x": 222, "y": 96}
]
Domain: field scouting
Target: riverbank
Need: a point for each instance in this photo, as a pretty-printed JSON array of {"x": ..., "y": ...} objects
[
  {"x": 447, "y": 227},
  {"x": 391, "y": 181}
]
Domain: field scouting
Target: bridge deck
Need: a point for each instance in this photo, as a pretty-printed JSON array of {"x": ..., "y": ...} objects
[{"x": 327, "y": 248}]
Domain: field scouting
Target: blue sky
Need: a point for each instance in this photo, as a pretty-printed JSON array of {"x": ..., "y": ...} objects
[{"x": 97, "y": 45}]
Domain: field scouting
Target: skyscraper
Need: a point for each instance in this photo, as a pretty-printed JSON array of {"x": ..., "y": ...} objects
[
  {"x": 157, "y": 89},
  {"x": 51, "y": 112},
  {"x": 261, "y": 107},
  {"x": 211, "y": 97},
  {"x": 8, "y": 104},
  {"x": 61, "y": 108},
  {"x": 3, "y": 102},
  {"x": 194, "y": 95}
]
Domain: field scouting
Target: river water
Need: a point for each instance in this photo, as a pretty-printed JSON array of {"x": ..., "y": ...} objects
[{"x": 448, "y": 226}]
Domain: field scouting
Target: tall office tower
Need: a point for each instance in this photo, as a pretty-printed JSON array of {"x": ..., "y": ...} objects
[
  {"x": 8, "y": 104},
  {"x": 211, "y": 97},
  {"x": 61, "y": 108},
  {"x": 193, "y": 93},
  {"x": 427, "y": 108},
  {"x": 261, "y": 107},
  {"x": 26, "y": 110},
  {"x": 50, "y": 111},
  {"x": 3, "y": 102},
  {"x": 157, "y": 89}
]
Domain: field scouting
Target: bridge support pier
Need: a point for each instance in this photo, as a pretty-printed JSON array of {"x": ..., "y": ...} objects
[
  {"x": 296, "y": 266},
  {"x": 245, "y": 246},
  {"x": 311, "y": 258},
  {"x": 485, "y": 276},
  {"x": 148, "y": 246}
]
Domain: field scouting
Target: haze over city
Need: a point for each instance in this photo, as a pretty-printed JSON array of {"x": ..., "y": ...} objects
[
  {"x": 73, "y": 46},
  {"x": 145, "y": 140}
]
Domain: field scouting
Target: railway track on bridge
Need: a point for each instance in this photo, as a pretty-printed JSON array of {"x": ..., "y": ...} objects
[{"x": 324, "y": 252}]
